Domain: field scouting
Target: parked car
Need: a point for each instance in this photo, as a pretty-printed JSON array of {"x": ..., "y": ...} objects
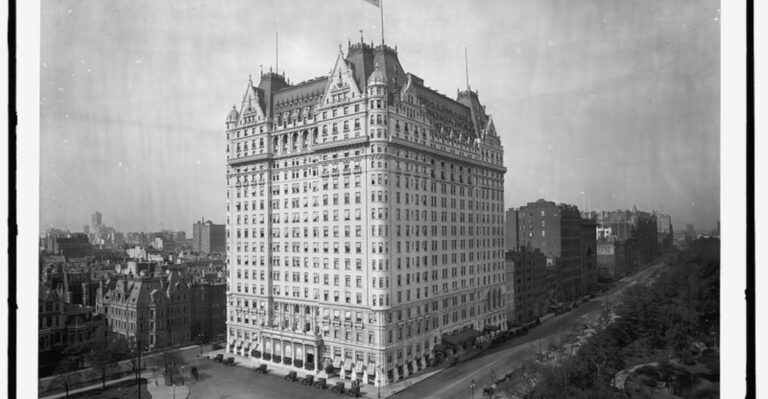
[
  {"x": 219, "y": 358},
  {"x": 338, "y": 388},
  {"x": 354, "y": 391},
  {"x": 308, "y": 380},
  {"x": 291, "y": 376},
  {"x": 261, "y": 369},
  {"x": 230, "y": 361},
  {"x": 320, "y": 384}
]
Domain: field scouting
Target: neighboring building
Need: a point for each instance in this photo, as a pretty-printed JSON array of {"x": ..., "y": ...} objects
[
  {"x": 153, "y": 310},
  {"x": 60, "y": 325},
  {"x": 526, "y": 278},
  {"x": 208, "y": 237},
  {"x": 209, "y": 310},
  {"x": 588, "y": 244},
  {"x": 556, "y": 231},
  {"x": 511, "y": 231},
  {"x": 365, "y": 219}
]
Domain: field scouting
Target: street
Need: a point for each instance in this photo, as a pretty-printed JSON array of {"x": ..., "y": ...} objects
[
  {"x": 217, "y": 381},
  {"x": 455, "y": 382}
]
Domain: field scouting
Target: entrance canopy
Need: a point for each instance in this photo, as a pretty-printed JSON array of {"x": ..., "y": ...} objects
[{"x": 462, "y": 337}]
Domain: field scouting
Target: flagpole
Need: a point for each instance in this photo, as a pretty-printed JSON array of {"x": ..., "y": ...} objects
[
  {"x": 277, "y": 70},
  {"x": 381, "y": 9},
  {"x": 466, "y": 66}
]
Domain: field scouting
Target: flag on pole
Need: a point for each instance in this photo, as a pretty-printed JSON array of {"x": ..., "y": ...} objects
[{"x": 378, "y": 4}]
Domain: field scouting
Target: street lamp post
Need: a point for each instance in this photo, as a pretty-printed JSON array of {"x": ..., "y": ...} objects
[
  {"x": 472, "y": 387},
  {"x": 174, "y": 391},
  {"x": 378, "y": 382}
]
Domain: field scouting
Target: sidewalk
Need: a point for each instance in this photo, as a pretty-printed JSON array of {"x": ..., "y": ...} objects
[{"x": 89, "y": 387}]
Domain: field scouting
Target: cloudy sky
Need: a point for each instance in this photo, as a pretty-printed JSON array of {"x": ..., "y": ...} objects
[{"x": 618, "y": 100}]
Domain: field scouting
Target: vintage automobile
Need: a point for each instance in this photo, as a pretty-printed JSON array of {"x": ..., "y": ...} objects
[
  {"x": 338, "y": 388},
  {"x": 308, "y": 380},
  {"x": 320, "y": 384},
  {"x": 354, "y": 391},
  {"x": 291, "y": 376}
]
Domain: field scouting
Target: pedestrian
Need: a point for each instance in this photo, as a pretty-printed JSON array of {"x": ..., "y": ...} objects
[{"x": 155, "y": 383}]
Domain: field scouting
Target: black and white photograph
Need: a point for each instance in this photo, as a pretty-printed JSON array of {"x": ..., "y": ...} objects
[{"x": 504, "y": 199}]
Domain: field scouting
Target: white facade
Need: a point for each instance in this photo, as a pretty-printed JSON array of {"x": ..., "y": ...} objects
[{"x": 358, "y": 233}]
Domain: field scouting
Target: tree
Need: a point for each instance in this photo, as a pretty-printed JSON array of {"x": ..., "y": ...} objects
[
  {"x": 194, "y": 372},
  {"x": 100, "y": 358},
  {"x": 66, "y": 375},
  {"x": 170, "y": 361}
]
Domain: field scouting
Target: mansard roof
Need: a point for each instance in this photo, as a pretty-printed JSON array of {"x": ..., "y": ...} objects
[
  {"x": 304, "y": 94},
  {"x": 143, "y": 291},
  {"x": 445, "y": 114},
  {"x": 461, "y": 117}
]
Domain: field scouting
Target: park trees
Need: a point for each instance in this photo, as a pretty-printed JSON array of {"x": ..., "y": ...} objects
[
  {"x": 66, "y": 376},
  {"x": 170, "y": 362},
  {"x": 672, "y": 322}
]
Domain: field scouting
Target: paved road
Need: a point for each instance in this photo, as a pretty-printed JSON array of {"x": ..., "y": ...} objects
[
  {"x": 455, "y": 382},
  {"x": 224, "y": 382}
]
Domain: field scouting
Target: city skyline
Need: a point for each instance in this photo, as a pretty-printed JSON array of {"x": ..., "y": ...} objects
[{"x": 641, "y": 84}]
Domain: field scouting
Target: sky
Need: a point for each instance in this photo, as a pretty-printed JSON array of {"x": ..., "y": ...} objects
[{"x": 600, "y": 103}]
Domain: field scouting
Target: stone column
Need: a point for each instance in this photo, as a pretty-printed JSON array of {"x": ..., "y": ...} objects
[{"x": 317, "y": 357}]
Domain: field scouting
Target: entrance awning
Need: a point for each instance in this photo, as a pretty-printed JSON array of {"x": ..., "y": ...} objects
[{"x": 461, "y": 337}]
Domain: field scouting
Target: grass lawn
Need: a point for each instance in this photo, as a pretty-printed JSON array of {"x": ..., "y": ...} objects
[{"x": 123, "y": 390}]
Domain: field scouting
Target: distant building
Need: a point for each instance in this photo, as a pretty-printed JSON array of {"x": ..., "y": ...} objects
[
  {"x": 208, "y": 237},
  {"x": 153, "y": 310},
  {"x": 690, "y": 232},
  {"x": 96, "y": 219},
  {"x": 646, "y": 233},
  {"x": 664, "y": 230},
  {"x": 606, "y": 260},
  {"x": 526, "y": 279},
  {"x": 627, "y": 239},
  {"x": 76, "y": 245}
]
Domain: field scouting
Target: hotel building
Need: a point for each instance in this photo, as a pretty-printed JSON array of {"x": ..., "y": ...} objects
[{"x": 364, "y": 219}]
